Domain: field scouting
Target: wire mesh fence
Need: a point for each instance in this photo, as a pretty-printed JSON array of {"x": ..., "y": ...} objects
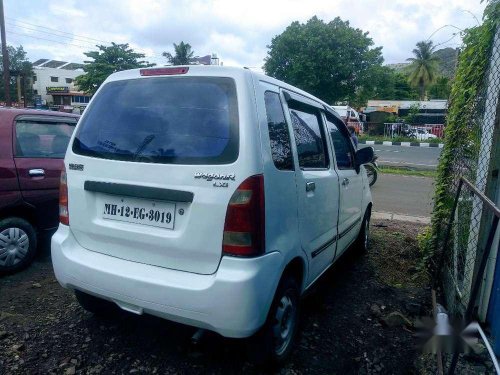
[
  {"x": 474, "y": 159},
  {"x": 472, "y": 216}
]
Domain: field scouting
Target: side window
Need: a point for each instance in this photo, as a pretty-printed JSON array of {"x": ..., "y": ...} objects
[
  {"x": 42, "y": 140},
  {"x": 281, "y": 149},
  {"x": 309, "y": 137},
  {"x": 341, "y": 144}
]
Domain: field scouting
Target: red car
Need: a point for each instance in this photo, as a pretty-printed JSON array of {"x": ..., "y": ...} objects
[{"x": 32, "y": 148}]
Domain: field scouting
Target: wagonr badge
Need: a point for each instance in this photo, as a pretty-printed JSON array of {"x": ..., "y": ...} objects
[
  {"x": 76, "y": 167},
  {"x": 215, "y": 176}
]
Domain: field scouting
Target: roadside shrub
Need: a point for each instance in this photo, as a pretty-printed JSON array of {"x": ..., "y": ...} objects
[
  {"x": 424, "y": 240},
  {"x": 462, "y": 143}
]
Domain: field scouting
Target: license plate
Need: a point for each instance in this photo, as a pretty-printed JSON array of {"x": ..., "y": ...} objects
[{"x": 139, "y": 211}]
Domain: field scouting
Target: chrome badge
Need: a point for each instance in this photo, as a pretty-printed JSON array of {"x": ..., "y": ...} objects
[
  {"x": 76, "y": 167},
  {"x": 215, "y": 176},
  {"x": 220, "y": 178}
]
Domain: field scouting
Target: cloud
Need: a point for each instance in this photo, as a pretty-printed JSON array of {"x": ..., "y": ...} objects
[{"x": 237, "y": 31}]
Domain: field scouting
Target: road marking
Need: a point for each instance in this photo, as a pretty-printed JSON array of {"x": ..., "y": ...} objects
[
  {"x": 399, "y": 217},
  {"x": 406, "y": 163},
  {"x": 405, "y": 144}
]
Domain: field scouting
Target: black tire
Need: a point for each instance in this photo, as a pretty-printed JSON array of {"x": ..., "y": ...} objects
[
  {"x": 372, "y": 174},
  {"x": 18, "y": 244},
  {"x": 363, "y": 240},
  {"x": 95, "y": 305},
  {"x": 266, "y": 347}
]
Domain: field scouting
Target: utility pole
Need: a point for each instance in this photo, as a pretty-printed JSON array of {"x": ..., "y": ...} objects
[{"x": 5, "y": 58}]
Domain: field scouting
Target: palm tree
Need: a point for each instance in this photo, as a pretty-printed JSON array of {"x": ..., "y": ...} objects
[
  {"x": 183, "y": 54},
  {"x": 423, "y": 67}
]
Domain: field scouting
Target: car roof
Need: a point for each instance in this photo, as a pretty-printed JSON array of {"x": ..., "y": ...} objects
[
  {"x": 8, "y": 114},
  {"x": 29, "y": 111}
]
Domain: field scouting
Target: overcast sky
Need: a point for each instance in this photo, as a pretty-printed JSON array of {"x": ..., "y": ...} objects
[{"x": 237, "y": 30}]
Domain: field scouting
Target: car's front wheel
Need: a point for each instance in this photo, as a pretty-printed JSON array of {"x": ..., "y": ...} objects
[
  {"x": 273, "y": 343},
  {"x": 17, "y": 244},
  {"x": 363, "y": 240}
]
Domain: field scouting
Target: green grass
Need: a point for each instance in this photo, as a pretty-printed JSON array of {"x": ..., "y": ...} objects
[
  {"x": 365, "y": 137},
  {"x": 407, "y": 171}
]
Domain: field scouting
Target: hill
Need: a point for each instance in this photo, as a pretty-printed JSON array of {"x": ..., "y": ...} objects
[
  {"x": 446, "y": 65},
  {"x": 447, "y": 61}
]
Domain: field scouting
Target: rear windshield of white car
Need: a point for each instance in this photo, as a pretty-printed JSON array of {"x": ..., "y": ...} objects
[{"x": 174, "y": 120}]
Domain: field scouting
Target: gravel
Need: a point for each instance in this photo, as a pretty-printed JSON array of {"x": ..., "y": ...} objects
[{"x": 43, "y": 330}]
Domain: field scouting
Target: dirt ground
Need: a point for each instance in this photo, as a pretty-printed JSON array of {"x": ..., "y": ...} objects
[{"x": 358, "y": 321}]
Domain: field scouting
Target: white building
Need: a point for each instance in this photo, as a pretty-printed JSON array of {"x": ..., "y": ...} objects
[{"x": 54, "y": 83}]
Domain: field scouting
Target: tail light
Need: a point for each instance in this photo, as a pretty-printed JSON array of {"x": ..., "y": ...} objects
[
  {"x": 244, "y": 228},
  {"x": 63, "y": 199}
]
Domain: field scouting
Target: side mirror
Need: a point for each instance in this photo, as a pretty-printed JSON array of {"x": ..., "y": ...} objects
[{"x": 364, "y": 155}]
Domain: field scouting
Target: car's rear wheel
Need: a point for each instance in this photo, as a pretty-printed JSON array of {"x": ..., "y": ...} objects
[
  {"x": 17, "y": 244},
  {"x": 273, "y": 343},
  {"x": 95, "y": 305}
]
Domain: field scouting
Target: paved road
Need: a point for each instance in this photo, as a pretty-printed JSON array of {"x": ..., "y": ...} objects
[
  {"x": 405, "y": 195},
  {"x": 415, "y": 157}
]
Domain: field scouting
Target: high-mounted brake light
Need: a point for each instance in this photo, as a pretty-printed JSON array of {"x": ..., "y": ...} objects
[
  {"x": 63, "y": 199},
  {"x": 164, "y": 71},
  {"x": 244, "y": 228}
]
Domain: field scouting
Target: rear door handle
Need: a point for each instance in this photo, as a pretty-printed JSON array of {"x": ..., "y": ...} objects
[
  {"x": 36, "y": 172},
  {"x": 310, "y": 186},
  {"x": 345, "y": 182}
]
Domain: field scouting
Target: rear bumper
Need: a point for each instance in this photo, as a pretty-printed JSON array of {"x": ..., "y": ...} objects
[{"x": 233, "y": 302}]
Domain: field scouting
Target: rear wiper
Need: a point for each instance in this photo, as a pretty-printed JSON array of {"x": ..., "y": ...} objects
[{"x": 143, "y": 145}]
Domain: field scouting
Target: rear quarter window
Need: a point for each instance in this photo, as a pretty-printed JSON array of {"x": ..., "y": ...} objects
[
  {"x": 279, "y": 135},
  {"x": 173, "y": 120},
  {"x": 38, "y": 139}
]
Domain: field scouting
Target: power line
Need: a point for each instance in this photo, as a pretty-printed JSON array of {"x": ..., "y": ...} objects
[
  {"x": 48, "y": 40},
  {"x": 71, "y": 44},
  {"x": 59, "y": 31},
  {"x": 472, "y": 14},
  {"x": 73, "y": 36},
  {"x": 442, "y": 27},
  {"x": 49, "y": 33},
  {"x": 446, "y": 41}
]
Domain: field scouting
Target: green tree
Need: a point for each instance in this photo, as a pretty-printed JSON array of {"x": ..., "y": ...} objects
[
  {"x": 379, "y": 85},
  {"x": 105, "y": 61},
  {"x": 18, "y": 66},
  {"x": 440, "y": 89},
  {"x": 411, "y": 117},
  {"x": 330, "y": 60},
  {"x": 402, "y": 89},
  {"x": 423, "y": 67},
  {"x": 183, "y": 54},
  {"x": 385, "y": 83}
]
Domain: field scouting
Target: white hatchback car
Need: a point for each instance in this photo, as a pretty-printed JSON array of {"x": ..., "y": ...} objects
[
  {"x": 209, "y": 196},
  {"x": 422, "y": 134}
]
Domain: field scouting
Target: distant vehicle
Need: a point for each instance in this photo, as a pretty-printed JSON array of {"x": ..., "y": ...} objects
[
  {"x": 422, "y": 134},
  {"x": 350, "y": 116},
  {"x": 32, "y": 148},
  {"x": 213, "y": 197}
]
